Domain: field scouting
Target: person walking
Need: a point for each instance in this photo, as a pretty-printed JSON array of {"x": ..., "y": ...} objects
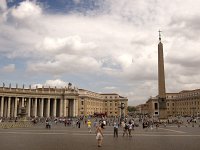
[
  {"x": 89, "y": 126},
  {"x": 130, "y": 127},
  {"x": 116, "y": 129},
  {"x": 79, "y": 123},
  {"x": 125, "y": 128},
  {"x": 99, "y": 134}
]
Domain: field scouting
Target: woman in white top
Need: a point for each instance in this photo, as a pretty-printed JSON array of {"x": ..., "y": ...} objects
[{"x": 99, "y": 135}]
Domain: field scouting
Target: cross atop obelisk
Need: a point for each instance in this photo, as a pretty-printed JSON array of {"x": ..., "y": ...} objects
[
  {"x": 161, "y": 81},
  {"x": 159, "y": 35}
]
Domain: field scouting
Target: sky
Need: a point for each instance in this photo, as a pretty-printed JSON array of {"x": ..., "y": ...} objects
[{"x": 105, "y": 46}]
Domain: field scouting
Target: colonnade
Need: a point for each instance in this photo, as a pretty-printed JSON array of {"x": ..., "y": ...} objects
[{"x": 10, "y": 107}]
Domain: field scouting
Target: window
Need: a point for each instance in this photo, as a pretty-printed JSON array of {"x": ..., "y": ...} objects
[
  {"x": 82, "y": 103},
  {"x": 156, "y": 106}
]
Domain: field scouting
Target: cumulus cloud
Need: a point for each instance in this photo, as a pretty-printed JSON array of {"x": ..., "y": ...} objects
[
  {"x": 26, "y": 9},
  {"x": 3, "y": 5},
  {"x": 70, "y": 43},
  {"x": 52, "y": 83},
  {"x": 119, "y": 42},
  {"x": 64, "y": 63},
  {"x": 57, "y": 83}
]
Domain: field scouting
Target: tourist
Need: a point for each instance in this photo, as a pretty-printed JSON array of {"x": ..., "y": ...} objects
[
  {"x": 48, "y": 124},
  {"x": 73, "y": 123},
  {"x": 125, "y": 128},
  {"x": 116, "y": 129},
  {"x": 65, "y": 122},
  {"x": 79, "y": 124},
  {"x": 130, "y": 127},
  {"x": 89, "y": 126},
  {"x": 99, "y": 134},
  {"x": 95, "y": 123}
]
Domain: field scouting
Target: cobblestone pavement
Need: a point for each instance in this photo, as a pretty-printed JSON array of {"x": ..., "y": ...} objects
[{"x": 68, "y": 138}]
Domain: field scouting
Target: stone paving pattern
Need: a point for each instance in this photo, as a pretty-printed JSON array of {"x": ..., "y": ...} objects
[{"x": 60, "y": 137}]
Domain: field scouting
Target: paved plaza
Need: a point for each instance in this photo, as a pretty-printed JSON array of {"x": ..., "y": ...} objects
[{"x": 60, "y": 137}]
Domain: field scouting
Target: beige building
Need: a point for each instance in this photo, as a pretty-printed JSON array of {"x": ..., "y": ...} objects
[
  {"x": 184, "y": 103},
  {"x": 113, "y": 103},
  {"x": 142, "y": 109},
  {"x": 58, "y": 102}
]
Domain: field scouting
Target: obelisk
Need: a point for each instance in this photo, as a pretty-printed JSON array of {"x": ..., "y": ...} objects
[{"x": 161, "y": 82}]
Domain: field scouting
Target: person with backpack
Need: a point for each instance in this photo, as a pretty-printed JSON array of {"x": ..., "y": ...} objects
[{"x": 125, "y": 131}]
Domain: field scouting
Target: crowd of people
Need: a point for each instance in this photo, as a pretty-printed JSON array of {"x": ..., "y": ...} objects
[{"x": 98, "y": 124}]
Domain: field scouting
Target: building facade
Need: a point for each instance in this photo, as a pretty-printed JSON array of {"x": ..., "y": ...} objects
[
  {"x": 184, "y": 103},
  {"x": 56, "y": 102},
  {"x": 142, "y": 109}
]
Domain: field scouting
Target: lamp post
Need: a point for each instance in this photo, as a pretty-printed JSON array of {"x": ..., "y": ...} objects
[
  {"x": 122, "y": 106},
  {"x": 193, "y": 108},
  {"x": 193, "y": 117}
]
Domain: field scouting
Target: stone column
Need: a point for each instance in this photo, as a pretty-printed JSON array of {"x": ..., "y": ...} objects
[
  {"x": 61, "y": 108},
  {"x": 67, "y": 108},
  {"x": 77, "y": 111},
  {"x": 42, "y": 107},
  {"x": 64, "y": 108},
  {"x": 22, "y": 101},
  {"x": 5, "y": 108},
  {"x": 15, "y": 109},
  {"x": 54, "y": 107},
  {"x": 35, "y": 108},
  {"x": 2, "y": 106},
  {"x": 12, "y": 108},
  {"x": 48, "y": 107},
  {"x": 29, "y": 107},
  {"x": 74, "y": 108},
  {"x": 8, "y": 111}
]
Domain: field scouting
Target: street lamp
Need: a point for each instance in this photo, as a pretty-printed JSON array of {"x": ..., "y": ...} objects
[
  {"x": 193, "y": 117},
  {"x": 122, "y": 106},
  {"x": 193, "y": 108}
]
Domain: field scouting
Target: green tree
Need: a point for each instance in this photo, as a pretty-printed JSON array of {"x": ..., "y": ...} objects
[{"x": 131, "y": 109}]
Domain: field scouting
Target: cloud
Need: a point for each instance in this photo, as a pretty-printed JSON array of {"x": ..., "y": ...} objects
[
  {"x": 57, "y": 83},
  {"x": 8, "y": 68},
  {"x": 64, "y": 63},
  {"x": 76, "y": 1},
  {"x": 110, "y": 88},
  {"x": 26, "y": 9},
  {"x": 3, "y": 5},
  {"x": 117, "y": 41},
  {"x": 70, "y": 43}
]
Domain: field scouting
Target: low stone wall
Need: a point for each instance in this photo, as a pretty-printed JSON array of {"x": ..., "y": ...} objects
[{"x": 20, "y": 124}]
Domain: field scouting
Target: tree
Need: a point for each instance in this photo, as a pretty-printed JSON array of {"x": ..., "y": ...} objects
[{"x": 131, "y": 109}]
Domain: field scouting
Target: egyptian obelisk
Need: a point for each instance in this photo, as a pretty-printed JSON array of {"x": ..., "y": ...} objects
[{"x": 161, "y": 82}]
